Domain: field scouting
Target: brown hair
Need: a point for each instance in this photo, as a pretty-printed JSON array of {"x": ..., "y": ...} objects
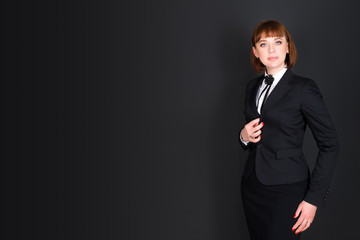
[{"x": 272, "y": 28}]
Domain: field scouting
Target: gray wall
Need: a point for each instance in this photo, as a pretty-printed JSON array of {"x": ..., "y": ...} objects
[{"x": 124, "y": 116}]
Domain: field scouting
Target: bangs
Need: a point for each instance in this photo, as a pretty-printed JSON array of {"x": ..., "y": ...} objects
[{"x": 270, "y": 29}]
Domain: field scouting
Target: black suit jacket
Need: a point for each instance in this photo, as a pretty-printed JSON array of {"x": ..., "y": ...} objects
[{"x": 294, "y": 103}]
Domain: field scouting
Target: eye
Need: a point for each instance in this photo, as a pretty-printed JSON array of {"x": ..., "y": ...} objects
[
  {"x": 262, "y": 44},
  {"x": 278, "y": 42}
]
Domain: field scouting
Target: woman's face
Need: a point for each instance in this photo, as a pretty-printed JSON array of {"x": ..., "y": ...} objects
[{"x": 272, "y": 53}]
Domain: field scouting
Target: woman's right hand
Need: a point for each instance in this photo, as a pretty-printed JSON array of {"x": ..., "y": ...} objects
[{"x": 251, "y": 131}]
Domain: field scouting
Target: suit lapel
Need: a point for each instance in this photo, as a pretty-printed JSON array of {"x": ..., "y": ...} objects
[{"x": 278, "y": 92}]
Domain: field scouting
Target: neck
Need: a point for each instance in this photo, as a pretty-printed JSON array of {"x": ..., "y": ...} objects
[{"x": 273, "y": 71}]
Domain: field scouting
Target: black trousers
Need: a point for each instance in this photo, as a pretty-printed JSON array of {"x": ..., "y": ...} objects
[{"x": 270, "y": 209}]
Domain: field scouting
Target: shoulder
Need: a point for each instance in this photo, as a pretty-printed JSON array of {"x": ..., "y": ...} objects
[
  {"x": 304, "y": 83},
  {"x": 308, "y": 90},
  {"x": 301, "y": 79}
]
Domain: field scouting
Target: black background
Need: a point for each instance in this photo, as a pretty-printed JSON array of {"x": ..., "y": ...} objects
[{"x": 122, "y": 118}]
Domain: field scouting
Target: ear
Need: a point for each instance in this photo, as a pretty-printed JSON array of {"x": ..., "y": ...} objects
[
  {"x": 255, "y": 52},
  {"x": 287, "y": 50}
]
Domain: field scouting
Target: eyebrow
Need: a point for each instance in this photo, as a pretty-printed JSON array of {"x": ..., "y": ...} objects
[{"x": 263, "y": 40}]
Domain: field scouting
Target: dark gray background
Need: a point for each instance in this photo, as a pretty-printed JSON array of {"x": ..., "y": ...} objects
[{"x": 122, "y": 117}]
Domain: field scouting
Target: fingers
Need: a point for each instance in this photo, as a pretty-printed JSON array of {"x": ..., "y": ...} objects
[
  {"x": 299, "y": 221},
  {"x": 304, "y": 224},
  {"x": 306, "y": 217},
  {"x": 307, "y": 225},
  {"x": 251, "y": 131},
  {"x": 258, "y": 127},
  {"x": 255, "y": 140},
  {"x": 298, "y": 210},
  {"x": 297, "y": 224},
  {"x": 253, "y": 122},
  {"x": 255, "y": 136}
]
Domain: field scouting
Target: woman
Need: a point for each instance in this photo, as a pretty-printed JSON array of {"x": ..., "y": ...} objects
[{"x": 280, "y": 196}]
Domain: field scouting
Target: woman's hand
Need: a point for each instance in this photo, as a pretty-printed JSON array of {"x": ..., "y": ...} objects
[
  {"x": 306, "y": 218},
  {"x": 251, "y": 131}
]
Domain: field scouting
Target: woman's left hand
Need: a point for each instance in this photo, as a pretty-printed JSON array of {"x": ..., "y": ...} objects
[{"x": 306, "y": 218}]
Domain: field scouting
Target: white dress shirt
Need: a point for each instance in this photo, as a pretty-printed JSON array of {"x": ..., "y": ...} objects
[{"x": 277, "y": 78}]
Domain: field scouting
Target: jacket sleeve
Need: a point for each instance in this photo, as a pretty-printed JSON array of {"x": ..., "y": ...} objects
[
  {"x": 324, "y": 133},
  {"x": 244, "y": 146}
]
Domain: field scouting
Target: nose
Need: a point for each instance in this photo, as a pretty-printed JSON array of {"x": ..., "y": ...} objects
[{"x": 271, "y": 48}]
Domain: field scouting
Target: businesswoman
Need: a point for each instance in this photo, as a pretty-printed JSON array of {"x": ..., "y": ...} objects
[{"x": 280, "y": 196}]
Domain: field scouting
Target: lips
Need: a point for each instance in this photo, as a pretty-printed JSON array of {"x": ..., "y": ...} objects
[{"x": 272, "y": 58}]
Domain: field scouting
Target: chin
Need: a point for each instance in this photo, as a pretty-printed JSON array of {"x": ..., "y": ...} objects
[{"x": 275, "y": 65}]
